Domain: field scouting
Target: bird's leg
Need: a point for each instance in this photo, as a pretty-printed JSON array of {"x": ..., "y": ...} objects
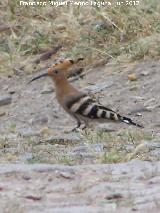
[
  {"x": 85, "y": 125},
  {"x": 78, "y": 123},
  {"x": 77, "y": 126}
]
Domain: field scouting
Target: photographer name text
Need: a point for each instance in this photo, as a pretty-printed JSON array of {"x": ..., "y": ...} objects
[{"x": 79, "y": 3}]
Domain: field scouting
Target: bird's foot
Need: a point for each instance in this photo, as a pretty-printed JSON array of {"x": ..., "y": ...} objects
[
  {"x": 79, "y": 128},
  {"x": 84, "y": 126},
  {"x": 75, "y": 129}
]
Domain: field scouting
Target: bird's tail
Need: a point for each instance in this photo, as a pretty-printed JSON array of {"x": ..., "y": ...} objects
[
  {"x": 110, "y": 114},
  {"x": 129, "y": 121}
]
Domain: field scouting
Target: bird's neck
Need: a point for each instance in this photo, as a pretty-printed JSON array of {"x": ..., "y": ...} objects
[{"x": 63, "y": 87}]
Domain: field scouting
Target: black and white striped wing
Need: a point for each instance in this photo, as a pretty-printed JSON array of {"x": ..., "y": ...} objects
[{"x": 87, "y": 107}]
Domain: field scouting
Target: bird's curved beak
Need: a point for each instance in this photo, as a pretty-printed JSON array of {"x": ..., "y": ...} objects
[
  {"x": 39, "y": 76},
  {"x": 64, "y": 65}
]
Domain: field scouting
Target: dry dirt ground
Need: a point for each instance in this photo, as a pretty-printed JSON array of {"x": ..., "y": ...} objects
[{"x": 34, "y": 135}]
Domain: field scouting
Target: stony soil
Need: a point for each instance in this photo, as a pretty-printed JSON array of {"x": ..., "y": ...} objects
[
  {"x": 34, "y": 130},
  {"x": 131, "y": 187}
]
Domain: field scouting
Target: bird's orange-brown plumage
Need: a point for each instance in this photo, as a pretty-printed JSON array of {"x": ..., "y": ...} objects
[{"x": 78, "y": 104}]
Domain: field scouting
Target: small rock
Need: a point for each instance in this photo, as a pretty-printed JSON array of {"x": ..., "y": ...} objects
[
  {"x": 11, "y": 92},
  {"x": 2, "y": 113},
  {"x": 26, "y": 157},
  {"x": 139, "y": 111},
  {"x": 25, "y": 177},
  {"x": 80, "y": 149},
  {"x": 65, "y": 174},
  {"x": 133, "y": 88},
  {"x": 90, "y": 147},
  {"x": 39, "y": 120},
  {"x": 47, "y": 90},
  {"x": 132, "y": 77},
  {"x": 97, "y": 147},
  {"x": 152, "y": 144},
  {"x": 138, "y": 114},
  {"x": 29, "y": 133},
  {"x": 150, "y": 108},
  {"x": 83, "y": 155},
  {"x": 145, "y": 73},
  {"x": 99, "y": 87},
  {"x": 1, "y": 188},
  {"x": 149, "y": 101},
  {"x": 5, "y": 100},
  {"x": 137, "y": 98},
  {"x": 45, "y": 131},
  {"x": 129, "y": 148},
  {"x": 6, "y": 87},
  {"x": 154, "y": 180},
  {"x": 60, "y": 27},
  {"x": 34, "y": 198},
  {"x": 114, "y": 196}
]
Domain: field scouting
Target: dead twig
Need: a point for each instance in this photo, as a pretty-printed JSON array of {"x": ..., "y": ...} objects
[
  {"x": 47, "y": 55},
  {"x": 8, "y": 27}
]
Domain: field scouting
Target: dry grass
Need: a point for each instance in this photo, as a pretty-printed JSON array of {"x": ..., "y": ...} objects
[
  {"x": 121, "y": 34},
  {"x": 118, "y": 146}
]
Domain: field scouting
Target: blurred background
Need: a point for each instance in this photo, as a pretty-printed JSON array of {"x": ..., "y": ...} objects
[{"x": 123, "y": 34}]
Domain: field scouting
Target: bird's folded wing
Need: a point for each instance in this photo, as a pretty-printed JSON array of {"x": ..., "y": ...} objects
[{"x": 85, "y": 106}]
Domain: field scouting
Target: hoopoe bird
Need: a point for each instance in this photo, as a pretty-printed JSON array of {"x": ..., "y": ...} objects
[{"x": 77, "y": 103}]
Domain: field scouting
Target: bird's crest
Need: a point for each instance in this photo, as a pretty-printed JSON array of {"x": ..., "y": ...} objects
[{"x": 64, "y": 64}]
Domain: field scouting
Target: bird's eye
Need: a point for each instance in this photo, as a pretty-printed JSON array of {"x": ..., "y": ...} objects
[{"x": 56, "y": 71}]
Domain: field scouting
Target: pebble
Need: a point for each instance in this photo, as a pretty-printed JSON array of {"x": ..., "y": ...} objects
[
  {"x": 138, "y": 111},
  {"x": 133, "y": 88},
  {"x": 138, "y": 114},
  {"x": 98, "y": 147},
  {"x": 60, "y": 27},
  {"x": 45, "y": 131},
  {"x": 5, "y": 100},
  {"x": 155, "y": 153},
  {"x": 99, "y": 87},
  {"x": 65, "y": 174},
  {"x": 154, "y": 180},
  {"x": 132, "y": 77},
  {"x": 80, "y": 149},
  {"x": 28, "y": 133},
  {"x": 26, "y": 157},
  {"x": 129, "y": 147},
  {"x": 152, "y": 144},
  {"x": 89, "y": 148},
  {"x": 2, "y": 113},
  {"x": 113, "y": 196},
  {"x": 150, "y": 108},
  {"x": 11, "y": 92},
  {"x": 47, "y": 89},
  {"x": 145, "y": 73},
  {"x": 39, "y": 120}
]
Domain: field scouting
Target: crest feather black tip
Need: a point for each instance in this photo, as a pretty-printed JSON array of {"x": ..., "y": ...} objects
[{"x": 80, "y": 59}]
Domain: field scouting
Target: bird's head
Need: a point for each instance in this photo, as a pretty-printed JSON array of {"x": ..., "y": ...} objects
[{"x": 57, "y": 70}]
